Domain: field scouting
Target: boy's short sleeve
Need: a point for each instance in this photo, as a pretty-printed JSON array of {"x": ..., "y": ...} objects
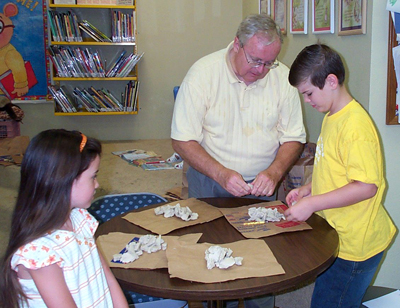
[{"x": 361, "y": 154}]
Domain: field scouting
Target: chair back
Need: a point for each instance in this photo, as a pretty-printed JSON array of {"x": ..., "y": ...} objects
[{"x": 109, "y": 206}]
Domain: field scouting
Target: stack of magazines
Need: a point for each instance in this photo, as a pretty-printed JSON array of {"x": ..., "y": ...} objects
[
  {"x": 123, "y": 65},
  {"x": 76, "y": 62},
  {"x": 79, "y": 62}
]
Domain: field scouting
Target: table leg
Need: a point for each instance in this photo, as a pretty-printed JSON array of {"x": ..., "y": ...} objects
[{"x": 215, "y": 304}]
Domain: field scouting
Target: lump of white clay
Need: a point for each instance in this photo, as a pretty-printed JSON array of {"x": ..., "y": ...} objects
[
  {"x": 262, "y": 214},
  {"x": 146, "y": 243},
  {"x": 183, "y": 213},
  {"x": 217, "y": 256}
]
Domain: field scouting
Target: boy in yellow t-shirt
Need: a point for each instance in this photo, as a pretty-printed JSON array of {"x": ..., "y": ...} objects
[{"x": 347, "y": 183}]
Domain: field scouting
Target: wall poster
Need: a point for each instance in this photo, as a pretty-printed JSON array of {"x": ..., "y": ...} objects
[
  {"x": 24, "y": 71},
  {"x": 352, "y": 17},
  {"x": 323, "y": 16}
]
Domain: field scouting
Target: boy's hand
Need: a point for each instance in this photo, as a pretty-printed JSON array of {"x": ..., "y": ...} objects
[
  {"x": 292, "y": 197},
  {"x": 299, "y": 212},
  {"x": 298, "y": 194}
]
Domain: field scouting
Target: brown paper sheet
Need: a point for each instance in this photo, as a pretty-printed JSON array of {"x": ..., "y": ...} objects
[
  {"x": 13, "y": 150},
  {"x": 238, "y": 218},
  {"x": 258, "y": 261},
  {"x": 14, "y": 146},
  {"x": 112, "y": 243},
  {"x": 158, "y": 224}
]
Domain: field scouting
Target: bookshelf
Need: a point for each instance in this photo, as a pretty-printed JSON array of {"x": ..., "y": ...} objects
[{"x": 94, "y": 59}]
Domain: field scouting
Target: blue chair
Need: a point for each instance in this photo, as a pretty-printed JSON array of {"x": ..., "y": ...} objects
[
  {"x": 176, "y": 89},
  {"x": 106, "y": 207}
]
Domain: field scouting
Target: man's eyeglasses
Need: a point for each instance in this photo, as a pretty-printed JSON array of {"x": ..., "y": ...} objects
[
  {"x": 268, "y": 65},
  {"x": 2, "y": 26}
]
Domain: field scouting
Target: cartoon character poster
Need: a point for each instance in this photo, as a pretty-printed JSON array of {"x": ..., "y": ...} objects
[{"x": 23, "y": 65}]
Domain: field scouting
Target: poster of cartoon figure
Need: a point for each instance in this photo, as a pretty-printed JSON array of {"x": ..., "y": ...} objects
[{"x": 23, "y": 74}]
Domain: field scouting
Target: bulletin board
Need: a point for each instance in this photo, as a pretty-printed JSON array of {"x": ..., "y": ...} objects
[{"x": 25, "y": 34}]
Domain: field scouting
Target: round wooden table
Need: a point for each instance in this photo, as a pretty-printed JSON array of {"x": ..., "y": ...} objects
[{"x": 302, "y": 254}]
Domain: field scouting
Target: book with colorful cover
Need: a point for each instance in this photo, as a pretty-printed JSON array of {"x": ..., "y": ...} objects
[
  {"x": 130, "y": 155},
  {"x": 148, "y": 160},
  {"x": 160, "y": 166},
  {"x": 7, "y": 81}
]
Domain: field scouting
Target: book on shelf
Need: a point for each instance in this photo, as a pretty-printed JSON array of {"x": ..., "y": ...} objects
[
  {"x": 97, "y": 2},
  {"x": 93, "y": 32},
  {"x": 91, "y": 100},
  {"x": 64, "y": 26},
  {"x": 123, "y": 65},
  {"x": 62, "y": 100},
  {"x": 73, "y": 2},
  {"x": 7, "y": 81},
  {"x": 122, "y": 27},
  {"x": 130, "y": 95},
  {"x": 76, "y": 62},
  {"x": 125, "y": 2}
]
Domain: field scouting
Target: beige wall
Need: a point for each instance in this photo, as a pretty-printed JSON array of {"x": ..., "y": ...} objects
[{"x": 175, "y": 33}]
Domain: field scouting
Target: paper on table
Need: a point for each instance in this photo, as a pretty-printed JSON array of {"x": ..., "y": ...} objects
[
  {"x": 391, "y": 300},
  {"x": 158, "y": 224},
  {"x": 112, "y": 243},
  {"x": 187, "y": 261},
  {"x": 238, "y": 218}
]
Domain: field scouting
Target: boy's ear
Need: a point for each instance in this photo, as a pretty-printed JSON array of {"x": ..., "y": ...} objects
[{"x": 332, "y": 81}]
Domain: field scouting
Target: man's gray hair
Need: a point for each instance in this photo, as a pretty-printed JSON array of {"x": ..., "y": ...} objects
[{"x": 260, "y": 24}]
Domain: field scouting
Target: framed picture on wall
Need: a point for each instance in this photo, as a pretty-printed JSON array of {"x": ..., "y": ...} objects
[
  {"x": 323, "y": 16},
  {"x": 352, "y": 17},
  {"x": 278, "y": 13},
  {"x": 298, "y": 16},
  {"x": 265, "y": 7}
]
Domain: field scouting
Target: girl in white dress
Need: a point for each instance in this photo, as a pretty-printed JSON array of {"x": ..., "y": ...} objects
[{"x": 52, "y": 259}]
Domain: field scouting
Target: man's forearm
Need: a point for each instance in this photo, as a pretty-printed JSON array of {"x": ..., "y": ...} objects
[{"x": 287, "y": 155}]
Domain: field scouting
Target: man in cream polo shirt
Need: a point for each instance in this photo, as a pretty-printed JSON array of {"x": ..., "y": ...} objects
[{"x": 237, "y": 121}]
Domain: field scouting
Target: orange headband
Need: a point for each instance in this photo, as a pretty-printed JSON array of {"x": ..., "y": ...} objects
[{"x": 83, "y": 143}]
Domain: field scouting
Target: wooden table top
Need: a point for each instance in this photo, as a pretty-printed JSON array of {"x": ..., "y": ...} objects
[{"x": 302, "y": 254}]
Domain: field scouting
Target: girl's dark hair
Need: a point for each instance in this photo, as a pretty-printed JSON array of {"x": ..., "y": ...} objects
[
  {"x": 52, "y": 162},
  {"x": 316, "y": 62}
]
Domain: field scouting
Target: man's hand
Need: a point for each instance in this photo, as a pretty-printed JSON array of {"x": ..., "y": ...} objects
[
  {"x": 265, "y": 183},
  {"x": 233, "y": 182}
]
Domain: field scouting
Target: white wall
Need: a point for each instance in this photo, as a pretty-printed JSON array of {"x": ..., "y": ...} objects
[{"x": 389, "y": 274}]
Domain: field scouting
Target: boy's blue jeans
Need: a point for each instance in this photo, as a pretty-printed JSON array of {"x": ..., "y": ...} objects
[{"x": 344, "y": 284}]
